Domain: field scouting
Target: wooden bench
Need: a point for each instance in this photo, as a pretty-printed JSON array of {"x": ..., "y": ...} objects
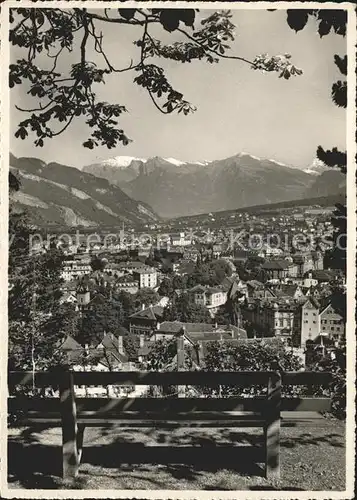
[{"x": 74, "y": 414}]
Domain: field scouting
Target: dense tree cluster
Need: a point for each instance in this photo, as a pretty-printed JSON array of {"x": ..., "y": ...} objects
[
  {"x": 182, "y": 308},
  {"x": 33, "y": 298}
]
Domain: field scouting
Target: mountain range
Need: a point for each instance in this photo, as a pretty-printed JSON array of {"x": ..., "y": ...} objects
[
  {"x": 175, "y": 188},
  {"x": 138, "y": 191},
  {"x": 65, "y": 196}
]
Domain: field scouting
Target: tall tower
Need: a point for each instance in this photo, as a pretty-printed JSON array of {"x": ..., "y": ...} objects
[{"x": 83, "y": 295}]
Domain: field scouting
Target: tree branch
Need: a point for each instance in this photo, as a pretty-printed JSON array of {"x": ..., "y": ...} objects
[
  {"x": 142, "y": 59},
  {"x": 115, "y": 20},
  {"x": 221, "y": 56},
  {"x": 98, "y": 45}
]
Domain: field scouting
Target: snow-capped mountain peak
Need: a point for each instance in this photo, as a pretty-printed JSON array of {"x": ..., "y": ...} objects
[
  {"x": 174, "y": 161},
  {"x": 316, "y": 167},
  {"x": 278, "y": 163},
  {"x": 121, "y": 161},
  {"x": 244, "y": 153}
]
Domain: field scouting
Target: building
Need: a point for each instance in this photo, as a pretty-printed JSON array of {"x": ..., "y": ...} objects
[
  {"x": 82, "y": 295},
  {"x": 68, "y": 298},
  {"x": 196, "y": 335},
  {"x": 307, "y": 322},
  {"x": 74, "y": 270},
  {"x": 146, "y": 277},
  {"x": 271, "y": 318},
  {"x": 314, "y": 321},
  {"x": 146, "y": 320},
  {"x": 127, "y": 284},
  {"x": 107, "y": 356},
  {"x": 180, "y": 240},
  {"x": 210, "y": 297},
  {"x": 279, "y": 269},
  {"x": 289, "y": 292},
  {"x": 331, "y": 323}
]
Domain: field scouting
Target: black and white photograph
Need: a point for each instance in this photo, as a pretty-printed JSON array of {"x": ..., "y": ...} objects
[{"x": 178, "y": 233}]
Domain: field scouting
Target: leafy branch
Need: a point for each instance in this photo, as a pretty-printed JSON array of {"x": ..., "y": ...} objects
[{"x": 61, "y": 97}]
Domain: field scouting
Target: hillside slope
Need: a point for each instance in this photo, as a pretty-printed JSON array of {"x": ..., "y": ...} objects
[{"x": 57, "y": 194}]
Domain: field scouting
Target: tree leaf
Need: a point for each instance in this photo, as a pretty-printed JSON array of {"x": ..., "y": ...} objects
[
  {"x": 324, "y": 28},
  {"x": 170, "y": 20},
  {"x": 297, "y": 18},
  {"x": 127, "y": 13},
  {"x": 187, "y": 16},
  {"x": 88, "y": 144}
]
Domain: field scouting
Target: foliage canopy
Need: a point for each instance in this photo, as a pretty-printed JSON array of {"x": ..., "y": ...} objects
[{"x": 63, "y": 96}]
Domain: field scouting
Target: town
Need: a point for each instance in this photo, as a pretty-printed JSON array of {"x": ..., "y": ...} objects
[{"x": 198, "y": 281}]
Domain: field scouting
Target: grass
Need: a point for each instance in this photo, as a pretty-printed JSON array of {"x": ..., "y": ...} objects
[{"x": 312, "y": 458}]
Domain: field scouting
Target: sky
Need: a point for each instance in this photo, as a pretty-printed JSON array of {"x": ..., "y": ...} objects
[{"x": 238, "y": 109}]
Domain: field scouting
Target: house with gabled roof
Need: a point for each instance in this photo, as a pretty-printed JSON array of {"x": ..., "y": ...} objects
[
  {"x": 279, "y": 269},
  {"x": 289, "y": 291},
  {"x": 146, "y": 319},
  {"x": 211, "y": 297},
  {"x": 331, "y": 322},
  {"x": 108, "y": 355},
  {"x": 318, "y": 319},
  {"x": 194, "y": 334},
  {"x": 171, "y": 329},
  {"x": 68, "y": 298}
]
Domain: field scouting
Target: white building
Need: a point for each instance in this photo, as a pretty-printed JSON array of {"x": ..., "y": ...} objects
[
  {"x": 74, "y": 269},
  {"x": 210, "y": 297},
  {"x": 146, "y": 277}
]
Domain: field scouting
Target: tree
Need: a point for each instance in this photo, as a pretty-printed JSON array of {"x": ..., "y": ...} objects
[
  {"x": 229, "y": 312},
  {"x": 104, "y": 316},
  {"x": 61, "y": 96},
  {"x": 222, "y": 316},
  {"x": 179, "y": 282},
  {"x": 33, "y": 299},
  {"x": 98, "y": 264},
  {"x": 66, "y": 321},
  {"x": 161, "y": 354},
  {"x": 166, "y": 288},
  {"x": 184, "y": 309},
  {"x": 249, "y": 356},
  {"x": 171, "y": 283},
  {"x": 221, "y": 269},
  {"x": 131, "y": 346},
  {"x": 328, "y": 20},
  {"x": 127, "y": 301},
  {"x": 147, "y": 297},
  {"x": 338, "y": 388}
]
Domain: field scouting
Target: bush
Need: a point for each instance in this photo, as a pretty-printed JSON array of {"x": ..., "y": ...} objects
[
  {"x": 337, "y": 389},
  {"x": 250, "y": 356}
]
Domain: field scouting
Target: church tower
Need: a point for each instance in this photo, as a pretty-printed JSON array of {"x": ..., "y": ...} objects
[{"x": 83, "y": 295}]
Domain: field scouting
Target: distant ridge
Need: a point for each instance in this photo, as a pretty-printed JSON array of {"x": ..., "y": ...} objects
[
  {"x": 175, "y": 188},
  {"x": 323, "y": 201}
]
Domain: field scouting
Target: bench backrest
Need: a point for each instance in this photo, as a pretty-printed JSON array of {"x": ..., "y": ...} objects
[{"x": 271, "y": 401}]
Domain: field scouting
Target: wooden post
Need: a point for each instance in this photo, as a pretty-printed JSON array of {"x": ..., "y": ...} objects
[
  {"x": 80, "y": 436},
  {"x": 70, "y": 437},
  {"x": 272, "y": 428},
  {"x": 180, "y": 364}
]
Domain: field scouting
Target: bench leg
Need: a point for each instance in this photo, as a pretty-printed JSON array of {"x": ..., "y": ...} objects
[
  {"x": 80, "y": 435},
  {"x": 71, "y": 435},
  {"x": 70, "y": 455},
  {"x": 272, "y": 449}
]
